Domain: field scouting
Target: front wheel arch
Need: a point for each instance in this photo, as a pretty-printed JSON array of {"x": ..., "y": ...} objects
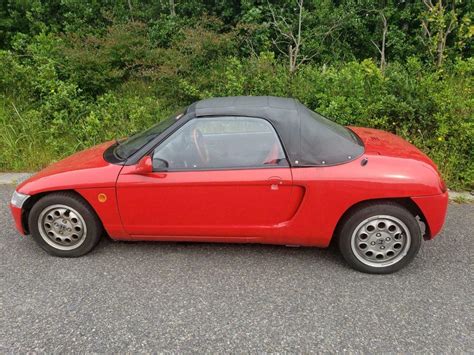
[
  {"x": 36, "y": 197},
  {"x": 64, "y": 224}
]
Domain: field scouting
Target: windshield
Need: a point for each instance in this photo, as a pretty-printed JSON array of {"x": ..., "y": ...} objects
[{"x": 131, "y": 145}]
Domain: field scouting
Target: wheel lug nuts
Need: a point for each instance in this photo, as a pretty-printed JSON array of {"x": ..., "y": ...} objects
[
  {"x": 387, "y": 239},
  {"x": 378, "y": 234},
  {"x": 382, "y": 247},
  {"x": 372, "y": 243}
]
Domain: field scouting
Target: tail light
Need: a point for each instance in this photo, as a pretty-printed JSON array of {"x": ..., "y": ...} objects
[{"x": 442, "y": 185}]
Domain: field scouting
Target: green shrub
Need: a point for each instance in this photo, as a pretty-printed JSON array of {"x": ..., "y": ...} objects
[{"x": 59, "y": 94}]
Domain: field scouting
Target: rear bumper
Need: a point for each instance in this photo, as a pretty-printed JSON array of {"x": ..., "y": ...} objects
[
  {"x": 434, "y": 209},
  {"x": 17, "y": 216}
]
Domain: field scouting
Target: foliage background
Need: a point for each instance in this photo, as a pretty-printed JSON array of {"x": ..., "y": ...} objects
[{"x": 74, "y": 73}]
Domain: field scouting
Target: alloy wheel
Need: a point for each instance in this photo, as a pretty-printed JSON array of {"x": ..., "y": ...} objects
[
  {"x": 62, "y": 227},
  {"x": 380, "y": 241}
]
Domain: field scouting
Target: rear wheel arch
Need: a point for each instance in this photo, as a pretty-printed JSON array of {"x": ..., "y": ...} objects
[{"x": 404, "y": 202}]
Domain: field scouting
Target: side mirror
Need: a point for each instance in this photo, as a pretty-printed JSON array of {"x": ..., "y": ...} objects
[
  {"x": 144, "y": 166},
  {"x": 160, "y": 164}
]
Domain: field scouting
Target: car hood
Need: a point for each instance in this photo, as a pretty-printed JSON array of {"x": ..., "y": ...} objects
[
  {"x": 387, "y": 144},
  {"x": 87, "y": 167},
  {"x": 85, "y": 159}
]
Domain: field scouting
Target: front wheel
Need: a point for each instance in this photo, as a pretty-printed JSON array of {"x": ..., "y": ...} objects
[
  {"x": 63, "y": 224},
  {"x": 380, "y": 238}
]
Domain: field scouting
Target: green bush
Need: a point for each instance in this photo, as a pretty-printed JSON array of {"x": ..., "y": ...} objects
[{"x": 63, "y": 93}]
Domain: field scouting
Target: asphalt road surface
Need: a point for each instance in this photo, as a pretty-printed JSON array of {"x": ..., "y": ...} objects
[{"x": 184, "y": 297}]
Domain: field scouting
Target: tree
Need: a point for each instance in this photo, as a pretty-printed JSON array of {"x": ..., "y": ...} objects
[
  {"x": 290, "y": 31},
  {"x": 382, "y": 46},
  {"x": 438, "y": 22},
  {"x": 172, "y": 8},
  {"x": 302, "y": 34}
]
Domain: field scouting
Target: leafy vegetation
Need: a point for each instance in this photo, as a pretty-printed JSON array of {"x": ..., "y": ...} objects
[{"x": 74, "y": 73}]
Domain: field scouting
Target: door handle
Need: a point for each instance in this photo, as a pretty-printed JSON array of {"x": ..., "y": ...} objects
[{"x": 275, "y": 182}]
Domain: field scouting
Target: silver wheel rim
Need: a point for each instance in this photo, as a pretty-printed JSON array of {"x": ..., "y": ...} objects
[
  {"x": 62, "y": 227},
  {"x": 381, "y": 241}
]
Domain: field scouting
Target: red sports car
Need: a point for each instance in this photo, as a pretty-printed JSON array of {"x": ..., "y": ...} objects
[{"x": 242, "y": 170}]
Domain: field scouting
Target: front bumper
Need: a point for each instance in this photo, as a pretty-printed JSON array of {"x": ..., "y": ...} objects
[
  {"x": 17, "y": 216},
  {"x": 434, "y": 209}
]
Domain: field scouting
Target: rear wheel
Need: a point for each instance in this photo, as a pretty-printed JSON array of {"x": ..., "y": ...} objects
[
  {"x": 63, "y": 224},
  {"x": 380, "y": 238}
]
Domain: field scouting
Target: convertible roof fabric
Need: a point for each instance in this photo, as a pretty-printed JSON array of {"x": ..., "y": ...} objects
[{"x": 308, "y": 138}]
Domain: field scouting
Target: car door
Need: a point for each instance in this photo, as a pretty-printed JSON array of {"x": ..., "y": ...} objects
[{"x": 214, "y": 176}]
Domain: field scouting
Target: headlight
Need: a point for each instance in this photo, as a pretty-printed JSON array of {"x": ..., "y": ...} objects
[{"x": 19, "y": 199}]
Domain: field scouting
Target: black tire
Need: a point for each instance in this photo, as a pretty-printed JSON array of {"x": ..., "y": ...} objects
[
  {"x": 92, "y": 227},
  {"x": 365, "y": 217}
]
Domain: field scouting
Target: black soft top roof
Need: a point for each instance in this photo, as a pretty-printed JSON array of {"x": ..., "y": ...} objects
[{"x": 308, "y": 138}]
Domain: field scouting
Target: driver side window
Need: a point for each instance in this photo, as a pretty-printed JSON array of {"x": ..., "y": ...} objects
[{"x": 220, "y": 143}]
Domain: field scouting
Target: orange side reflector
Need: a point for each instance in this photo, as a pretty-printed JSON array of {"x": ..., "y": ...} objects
[{"x": 102, "y": 197}]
